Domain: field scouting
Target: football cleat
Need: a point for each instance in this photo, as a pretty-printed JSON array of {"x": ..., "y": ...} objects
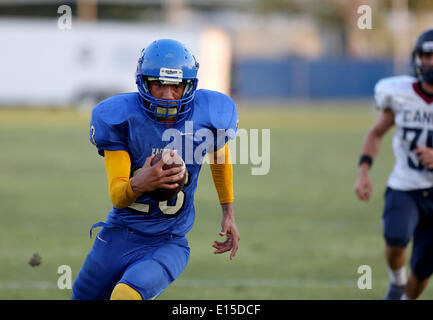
[{"x": 395, "y": 292}]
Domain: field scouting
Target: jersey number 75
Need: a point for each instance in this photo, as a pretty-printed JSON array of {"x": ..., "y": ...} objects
[{"x": 415, "y": 134}]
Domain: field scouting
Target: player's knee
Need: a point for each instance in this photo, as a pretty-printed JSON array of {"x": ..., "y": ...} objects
[
  {"x": 396, "y": 250},
  {"x": 124, "y": 292},
  {"x": 421, "y": 272},
  {"x": 395, "y": 243},
  {"x": 422, "y": 265}
]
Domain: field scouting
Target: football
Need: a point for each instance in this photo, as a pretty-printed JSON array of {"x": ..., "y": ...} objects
[{"x": 163, "y": 194}]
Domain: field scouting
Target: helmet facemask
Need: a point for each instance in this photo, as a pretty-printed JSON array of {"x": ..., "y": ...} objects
[
  {"x": 423, "y": 45},
  {"x": 168, "y": 112},
  {"x": 171, "y": 63},
  {"x": 423, "y": 71}
]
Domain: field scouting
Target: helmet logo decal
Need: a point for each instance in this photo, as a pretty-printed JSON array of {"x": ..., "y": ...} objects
[
  {"x": 166, "y": 74},
  {"x": 427, "y": 46}
]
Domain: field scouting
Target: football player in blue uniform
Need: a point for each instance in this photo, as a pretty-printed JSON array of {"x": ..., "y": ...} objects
[
  {"x": 142, "y": 246},
  {"x": 406, "y": 102}
]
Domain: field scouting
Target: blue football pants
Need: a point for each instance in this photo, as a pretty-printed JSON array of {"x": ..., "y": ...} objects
[
  {"x": 407, "y": 215},
  {"x": 121, "y": 255}
]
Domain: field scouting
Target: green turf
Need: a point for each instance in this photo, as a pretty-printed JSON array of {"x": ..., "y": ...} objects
[{"x": 303, "y": 232}]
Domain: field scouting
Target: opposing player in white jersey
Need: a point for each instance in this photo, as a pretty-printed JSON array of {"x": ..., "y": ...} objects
[{"x": 407, "y": 103}]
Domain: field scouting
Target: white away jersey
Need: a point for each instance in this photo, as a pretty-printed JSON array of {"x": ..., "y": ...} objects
[{"x": 414, "y": 127}]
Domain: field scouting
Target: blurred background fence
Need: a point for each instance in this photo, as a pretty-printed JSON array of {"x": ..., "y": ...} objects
[
  {"x": 291, "y": 77},
  {"x": 252, "y": 49}
]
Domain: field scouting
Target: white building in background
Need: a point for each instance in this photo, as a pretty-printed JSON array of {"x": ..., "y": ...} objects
[{"x": 43, "y": 65}]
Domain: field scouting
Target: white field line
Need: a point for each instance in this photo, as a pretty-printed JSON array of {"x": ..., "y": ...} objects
[
  {"x": 212, "y": 283},
  {"x": 20, "y": 285},
  {"x": 272, "y": 283}
]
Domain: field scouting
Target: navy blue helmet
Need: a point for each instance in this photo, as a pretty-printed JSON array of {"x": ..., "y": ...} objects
[
  {"x": 169, "y": 62},
  {"x": 424, "y": 44}
]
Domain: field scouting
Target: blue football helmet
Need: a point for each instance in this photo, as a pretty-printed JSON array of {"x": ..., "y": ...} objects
[
  {"x": 169, "y": 62},
  {"x": 424, "y": 44}
]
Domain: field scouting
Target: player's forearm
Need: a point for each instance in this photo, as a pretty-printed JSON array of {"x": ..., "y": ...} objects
[
  {"x": 372, "y": 143},
  {"x": 121, "y": 193},
  {"x": 222, "y": 175},
  {"x": 223, "y": 180},
  {"x": 118, "y": 165},
  {"x": 370, "y": 148},
  {"x": 227, "y": 209},
  {"x": 374, "y": 137}
]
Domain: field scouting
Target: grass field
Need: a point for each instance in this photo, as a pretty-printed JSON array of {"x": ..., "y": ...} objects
[{"x": 303, "y": 232}]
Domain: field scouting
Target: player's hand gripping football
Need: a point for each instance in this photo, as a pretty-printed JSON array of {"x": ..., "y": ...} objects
[
  {"x": 229, "y": 230},
  {"x": 150, "y": 178},
  {"x": 425, "y": 156},
  {"x": 363, "y": 187}
]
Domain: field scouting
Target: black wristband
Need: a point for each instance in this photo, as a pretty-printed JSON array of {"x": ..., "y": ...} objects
[{"x": 365, "y": 159}]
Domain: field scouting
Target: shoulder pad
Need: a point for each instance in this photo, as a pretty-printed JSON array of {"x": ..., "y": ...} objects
[
  {"x": 222, "y": 114},
  {"x": 388, "y": 88},
  {"x": 222, "y": 109},
  {"x": 109, "y": 123}
]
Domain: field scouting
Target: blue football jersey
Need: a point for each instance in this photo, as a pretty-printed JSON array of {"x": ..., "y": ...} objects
[{"x": 120, "y": 123}]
